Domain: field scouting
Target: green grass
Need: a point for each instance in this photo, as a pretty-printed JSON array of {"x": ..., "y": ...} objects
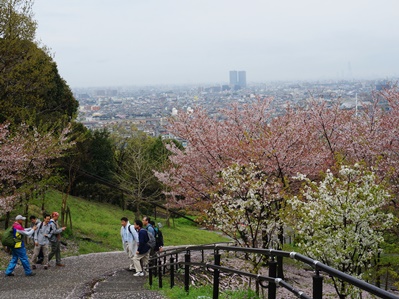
[
  {"x": 204, "y": 292},
  {"x": 96, "y": 226}
]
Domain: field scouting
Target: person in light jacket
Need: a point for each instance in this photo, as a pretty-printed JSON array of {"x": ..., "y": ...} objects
[
  {"x": 41, "y": 237},
  {"x": 34, "y": 221},
  {"x": 130, "y": 240}
]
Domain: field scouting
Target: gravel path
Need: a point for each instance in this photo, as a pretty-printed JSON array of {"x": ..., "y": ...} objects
[{"x": 97, "y": 275}]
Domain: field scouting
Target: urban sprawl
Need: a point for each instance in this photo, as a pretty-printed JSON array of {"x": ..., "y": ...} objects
[{"x": 148, "y": 108}]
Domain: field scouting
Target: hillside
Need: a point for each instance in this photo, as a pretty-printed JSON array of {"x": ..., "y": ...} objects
[{"x": 95, "y": 227}]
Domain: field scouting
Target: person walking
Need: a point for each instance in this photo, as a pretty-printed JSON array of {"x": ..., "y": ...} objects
[
  {"x": 41, "y": 237},
  {"x": 54, "y": 239},
  {"x": 130, "y": 240},
  {"x": 19, "y": 250},
  {"x": 34, "y": 221},
  {"x": 158, "y": 238},
  {"x": 140, "y": 259},
  {"x": 148, "y": 226}
]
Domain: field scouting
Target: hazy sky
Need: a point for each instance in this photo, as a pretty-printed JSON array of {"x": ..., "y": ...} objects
[{"x": 140, "y": 42}]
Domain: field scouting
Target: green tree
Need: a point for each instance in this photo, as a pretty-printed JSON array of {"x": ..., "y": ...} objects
[
  {"x": 137, "y": 157},
  {"x": 31, "y": 90},
  {"x": 91, "y": 165},
  {"x": 16, "y": 20}
]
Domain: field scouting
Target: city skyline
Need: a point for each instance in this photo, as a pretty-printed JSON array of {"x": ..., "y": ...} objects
[
  {"x": 197, "y": 42},
  {"x": 238, "y": 78}
]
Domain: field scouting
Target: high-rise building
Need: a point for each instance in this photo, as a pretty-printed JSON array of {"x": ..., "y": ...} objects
[
  {"x": 242, "y": 79},
  {"x": 233, "y": 78},
  {"x": 238, "y": 79}
]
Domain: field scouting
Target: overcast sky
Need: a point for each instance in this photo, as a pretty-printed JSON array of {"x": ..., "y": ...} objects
[{"x": 142, "y": 42}]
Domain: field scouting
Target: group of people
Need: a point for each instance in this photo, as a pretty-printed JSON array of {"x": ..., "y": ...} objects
[
  {"x": 46, "y": 236},
  {"x": 135, "y": 242}
]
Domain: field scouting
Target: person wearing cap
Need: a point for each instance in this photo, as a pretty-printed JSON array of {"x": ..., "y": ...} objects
[
  {"x": 54, "y": 239},
  {"x": 19, "y": 251}
]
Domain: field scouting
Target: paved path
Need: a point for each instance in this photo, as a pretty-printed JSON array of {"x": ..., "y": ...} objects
[{"x": 97, "y": 275}]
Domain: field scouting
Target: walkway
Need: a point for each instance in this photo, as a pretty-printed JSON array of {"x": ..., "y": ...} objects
[{"x": 98, "y": 275}]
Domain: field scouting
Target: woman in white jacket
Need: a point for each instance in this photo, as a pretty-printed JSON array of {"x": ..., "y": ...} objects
[{"x": 130, "y": 240}]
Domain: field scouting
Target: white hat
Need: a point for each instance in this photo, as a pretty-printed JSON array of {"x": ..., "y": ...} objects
[{"x": 20, "y": 217}]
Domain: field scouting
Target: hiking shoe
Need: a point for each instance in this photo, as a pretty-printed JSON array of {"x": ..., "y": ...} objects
[
  {"x": 33, "y": 267},
  {"x": 139, "y": 274},
  {"x": 11, "y": 274},
  {"x": 31, "y": 274},
  {"x": 60, "y": 265}
]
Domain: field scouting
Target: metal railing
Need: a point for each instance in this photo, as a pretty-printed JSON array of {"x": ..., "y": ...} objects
[{"x": 159, "y": 265}]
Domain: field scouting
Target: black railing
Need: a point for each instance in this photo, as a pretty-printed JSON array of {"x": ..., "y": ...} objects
[{"x": 159, "y": 265}]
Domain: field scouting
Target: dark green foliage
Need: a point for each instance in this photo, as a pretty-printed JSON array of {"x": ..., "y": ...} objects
[
  {"x": 101, "y": 156},
  {"x": 31, "y": 89},
  {"x": 88, "y": 167}
]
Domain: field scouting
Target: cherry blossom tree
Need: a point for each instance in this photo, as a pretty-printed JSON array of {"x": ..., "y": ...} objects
[
  {"x": 244, "y": 208},
  {"x": 339, "y": 221},
  {"x": 281, "y": 142},
  {"x": 26, "y": 156},
  {"x": 12, "y": 156}
]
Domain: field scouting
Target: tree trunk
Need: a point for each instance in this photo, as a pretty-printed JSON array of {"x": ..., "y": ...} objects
[
  {"x": 7, "y": 220},
  {"x": 43, "y": 195}
]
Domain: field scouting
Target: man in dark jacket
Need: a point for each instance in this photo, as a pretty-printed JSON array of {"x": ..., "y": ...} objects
[{"x": 143, "y": 250}]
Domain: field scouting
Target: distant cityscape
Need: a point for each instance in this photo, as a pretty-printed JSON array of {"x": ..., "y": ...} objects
[{"x": 148, "y": 108}]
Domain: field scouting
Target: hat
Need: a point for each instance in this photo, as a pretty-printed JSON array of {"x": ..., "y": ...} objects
[
  {"x": 54, "y": 214},
  {"x": 20, "y": 217}
]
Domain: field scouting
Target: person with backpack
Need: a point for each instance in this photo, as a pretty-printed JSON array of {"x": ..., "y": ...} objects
[
  {"x": 41, "y": 237},
  {"x": 150, "y": 229},
  {"x": 143, "y": 250},
  {"x": 19, "y": 250},
  {"x": 148, "y": 226},
  {"x": 158, "y": 238},
  {"x": 55, "y": 237},
  {"x": 130, "y": 240}
]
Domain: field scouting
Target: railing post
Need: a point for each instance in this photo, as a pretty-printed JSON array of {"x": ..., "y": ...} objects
[
  {"x": 172, "y": 272},
  {"x": 317, "y": 285},
  {"x": 216, "y": 275},
  {"x": 272, "y": 273},
  {"x": 159, "y": 272},
  {"x": 154, "y": 262},
  {"x": 177, "y": 261},
  {"x": 164, "y": 262},
  {"x": 280, "y": 272},
  {"x": 187, "y": 271},
  {"x": 149, "y": 274}
]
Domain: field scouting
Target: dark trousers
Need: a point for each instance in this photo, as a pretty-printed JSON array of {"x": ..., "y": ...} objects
[{"x": 55, "y": 250}]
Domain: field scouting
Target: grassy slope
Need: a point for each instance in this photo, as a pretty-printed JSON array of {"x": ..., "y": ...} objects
[{"x": 96, "y": 226}]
